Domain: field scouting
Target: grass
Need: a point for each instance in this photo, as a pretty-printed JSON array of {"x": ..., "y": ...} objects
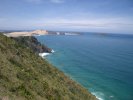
[{"x": 26, "y": 76}]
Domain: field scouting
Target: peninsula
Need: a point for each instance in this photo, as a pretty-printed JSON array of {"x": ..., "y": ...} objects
[
  {"x": 39, "y": 32},
  {"x": 27, "y": 33}
]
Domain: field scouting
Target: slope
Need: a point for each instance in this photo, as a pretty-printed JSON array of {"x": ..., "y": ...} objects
[{"x": 26, "y": 76}]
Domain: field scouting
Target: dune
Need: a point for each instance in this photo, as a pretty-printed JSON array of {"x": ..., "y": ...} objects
[{"x": 31, "y": 33}]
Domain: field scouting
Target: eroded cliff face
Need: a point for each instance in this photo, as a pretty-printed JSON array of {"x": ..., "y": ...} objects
[{"x": 33, "y": 43}]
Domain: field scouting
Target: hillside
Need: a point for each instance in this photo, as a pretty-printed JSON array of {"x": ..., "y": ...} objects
[{"x": 26, "y": 76}]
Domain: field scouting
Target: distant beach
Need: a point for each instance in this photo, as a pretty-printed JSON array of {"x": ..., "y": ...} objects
[{"x": 26, "y": 33}]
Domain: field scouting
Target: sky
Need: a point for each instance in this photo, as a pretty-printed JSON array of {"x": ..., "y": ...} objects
[{"x": 114, "y": 16}]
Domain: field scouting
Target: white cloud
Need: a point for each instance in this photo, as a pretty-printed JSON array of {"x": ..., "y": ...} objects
[
  {"x": 113, "y": 24},
  {"x": 104, "y": 22},
  {"x": 2, "y": 19}
]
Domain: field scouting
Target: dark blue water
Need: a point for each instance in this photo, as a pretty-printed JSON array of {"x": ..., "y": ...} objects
[{"x": 102, "y": 64}]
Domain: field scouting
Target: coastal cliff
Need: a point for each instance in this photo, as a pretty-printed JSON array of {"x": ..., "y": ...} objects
[
  {"x": 26, "y": 76},
  {"x": 32, "y": 43}
]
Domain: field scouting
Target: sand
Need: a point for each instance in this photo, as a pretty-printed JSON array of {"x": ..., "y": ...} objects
[{"x": 31, "y": 33}]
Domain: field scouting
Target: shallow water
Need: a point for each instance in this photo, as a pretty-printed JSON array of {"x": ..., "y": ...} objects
[{"x": 103, "y": 64}]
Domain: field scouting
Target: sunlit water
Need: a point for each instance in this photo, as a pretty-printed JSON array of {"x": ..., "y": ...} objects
[{"x": 102, "y": 64}]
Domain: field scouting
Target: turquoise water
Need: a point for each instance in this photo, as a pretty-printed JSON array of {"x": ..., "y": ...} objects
[{"x": 102, "y": 64}]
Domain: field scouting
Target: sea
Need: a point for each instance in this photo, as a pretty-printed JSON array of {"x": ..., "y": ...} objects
[{"x": 102, "y": 63}]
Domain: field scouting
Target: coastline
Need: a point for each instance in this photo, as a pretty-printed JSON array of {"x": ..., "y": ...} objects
[
  {"x": 45, "y": 55},
  {"x": 55, "y": 73},
  {"x": 80, "y": 64},
  {"x": 54, "y": 80},
  {"x": 26, "y": 33},
  {"x": 96, "y": 94}
]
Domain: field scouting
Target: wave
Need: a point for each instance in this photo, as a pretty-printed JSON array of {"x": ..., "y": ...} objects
[
  {"x": 44, "y": 54},
  {"x": 71, "y": 34},
  {"x": 52, "y": 51},
  {"x": 99, "y": 95}
]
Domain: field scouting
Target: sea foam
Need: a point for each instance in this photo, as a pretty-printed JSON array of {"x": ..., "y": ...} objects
[
  {"x": 99, "y": 95},
  {"x": 44, "y": 54}
]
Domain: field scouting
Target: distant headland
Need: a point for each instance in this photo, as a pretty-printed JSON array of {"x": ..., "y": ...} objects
[
  {"x": 38, "y": 32},
  {"x": 26, "y": 33}
]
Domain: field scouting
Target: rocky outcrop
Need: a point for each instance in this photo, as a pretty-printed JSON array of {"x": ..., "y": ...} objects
[{"x": 33, "y": 43}]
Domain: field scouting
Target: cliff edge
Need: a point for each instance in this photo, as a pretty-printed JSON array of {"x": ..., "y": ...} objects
[{"x": 26, "y": 76}]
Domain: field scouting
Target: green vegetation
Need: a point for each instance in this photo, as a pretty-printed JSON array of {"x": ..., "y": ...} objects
[{"x": 26, "y": 76}]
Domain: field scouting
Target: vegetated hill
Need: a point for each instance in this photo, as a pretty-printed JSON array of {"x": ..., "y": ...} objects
[{"x": 26, "y": 76}]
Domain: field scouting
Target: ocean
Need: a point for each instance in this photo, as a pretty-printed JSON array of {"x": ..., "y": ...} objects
[{"x": 102, "y": 63}]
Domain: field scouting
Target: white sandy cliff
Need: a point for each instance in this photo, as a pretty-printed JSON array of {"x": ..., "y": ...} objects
[{"x": 36, "y": 32}]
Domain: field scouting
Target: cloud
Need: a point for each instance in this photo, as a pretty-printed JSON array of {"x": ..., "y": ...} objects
[
  {"x": 2, "y": 19},
  {"x": 104, "y": 22},
  {"x": 57, "y": 1},
  {"x": 112, "y": 24}
]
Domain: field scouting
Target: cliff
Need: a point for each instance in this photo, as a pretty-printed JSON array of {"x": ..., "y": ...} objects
[
  {"x": 32, "y": 43},
  {"x": 26, "y": 76}
]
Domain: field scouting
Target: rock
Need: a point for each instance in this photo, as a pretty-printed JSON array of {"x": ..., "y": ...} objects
[{"x": 33, "y": 43}]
